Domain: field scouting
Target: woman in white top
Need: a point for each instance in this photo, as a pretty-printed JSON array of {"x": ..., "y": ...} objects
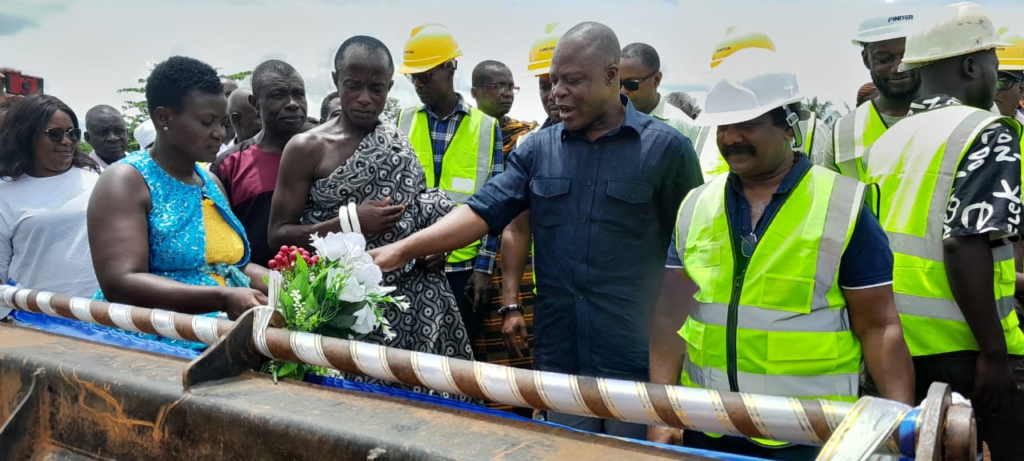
[{"x": 43, "y": 240}]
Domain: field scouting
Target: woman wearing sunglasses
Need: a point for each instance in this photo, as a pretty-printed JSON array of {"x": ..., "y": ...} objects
[{"x": 43, "y": 200}]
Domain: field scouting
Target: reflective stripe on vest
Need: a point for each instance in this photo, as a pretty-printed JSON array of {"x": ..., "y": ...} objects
[
  {"x": 792, "y": 331},
  {"x": 854, "y": 134},
  {"x": 808, "y": 128},
  {"x": 914, "y": 164},
  {"x": 711, "y": 162},
  {"x": 466, "y": 164}
]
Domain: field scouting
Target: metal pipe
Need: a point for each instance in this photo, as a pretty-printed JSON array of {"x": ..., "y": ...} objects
[{"x": 806, "y": 422}]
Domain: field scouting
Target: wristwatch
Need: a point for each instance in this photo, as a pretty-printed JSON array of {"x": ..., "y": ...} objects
[{"x": 509, "y": 308}]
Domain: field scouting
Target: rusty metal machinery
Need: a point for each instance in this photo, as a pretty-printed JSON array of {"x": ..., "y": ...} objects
[{"x": 940, "y": 431}]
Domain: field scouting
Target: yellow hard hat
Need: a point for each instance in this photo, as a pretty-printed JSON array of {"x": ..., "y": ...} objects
[
  {"x": 429, "y": 46},
  {"x": 737, "y": 39},
  {"x": 543, "y": 49},
  {"x": 1011, "y": 57}
]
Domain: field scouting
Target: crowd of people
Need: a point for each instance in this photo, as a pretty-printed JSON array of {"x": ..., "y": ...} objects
[{"x": 744, "y": 246}]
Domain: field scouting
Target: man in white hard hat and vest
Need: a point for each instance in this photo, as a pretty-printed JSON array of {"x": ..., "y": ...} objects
[
  {"x": 948, "y": 179},
  {"x": 882, "y": 41},
  {"x": 459, "y": 147},
  {"x": 736, "y": 39},
  {"x": 793, "y": 273}
]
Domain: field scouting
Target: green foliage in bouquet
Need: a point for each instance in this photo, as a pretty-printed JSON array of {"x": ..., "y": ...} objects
[{"x": 335, "y": 293}]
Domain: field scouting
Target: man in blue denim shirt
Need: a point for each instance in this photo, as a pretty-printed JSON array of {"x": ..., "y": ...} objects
[{"x": 603, "y": 188}]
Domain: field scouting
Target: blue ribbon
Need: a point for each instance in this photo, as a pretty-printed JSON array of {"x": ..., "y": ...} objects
[{"x": 908, "y": 433}]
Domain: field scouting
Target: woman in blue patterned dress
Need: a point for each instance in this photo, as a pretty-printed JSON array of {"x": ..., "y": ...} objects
[{"x": 161, "y": 232}]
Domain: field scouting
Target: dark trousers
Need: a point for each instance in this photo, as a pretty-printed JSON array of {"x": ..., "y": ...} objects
[
  {"x": 600, "y": 426},
  {"x": 742, "y": 446},
  {"x": 457, "y": 281}
]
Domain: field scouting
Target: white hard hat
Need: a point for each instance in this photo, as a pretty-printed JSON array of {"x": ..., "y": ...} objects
[
  {"x": 881, "y": 28},
  {"x": 746, "y": 86},
  {"x": 958, "y": 29},
  {"x": 145, "y": 134}
]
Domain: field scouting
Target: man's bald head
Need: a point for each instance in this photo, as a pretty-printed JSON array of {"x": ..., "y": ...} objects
[
  {"x": 244, "y": 120},
  {"x": 600, "y": 41},
  {"x": 585, "y": 78},
  {"x": 106, "y": 132},
  {"x": 100, "y": 111},
  {"x": 237, "y": 99}
]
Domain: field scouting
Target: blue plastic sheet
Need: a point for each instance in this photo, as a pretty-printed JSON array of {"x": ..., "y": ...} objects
[{"x": 90, "y": 332}]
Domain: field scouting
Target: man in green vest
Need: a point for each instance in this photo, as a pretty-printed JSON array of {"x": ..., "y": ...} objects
[
  {"x": 882, "y": 41},
  {"x": 793, "y": 275},
  {"x": 460, "y": 149},
  {"x": 949, "y": 183}
]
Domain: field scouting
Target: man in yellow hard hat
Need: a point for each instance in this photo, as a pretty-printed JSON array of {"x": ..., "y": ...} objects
[
  {"x": 517, "y": 297},
  {"x": 949, "y": 198},
  {"x": 460, "y": 149},
  {"x": 793, "y": 273},
  {"x": 1009, "y": 87},
  {"x": 841, "y": 147},
  {"x": 641, "y": 76},
  {"x": 601, "y": 226}
]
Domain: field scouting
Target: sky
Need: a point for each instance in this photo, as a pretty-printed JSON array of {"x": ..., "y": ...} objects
[{"x": 87, "y": 49}]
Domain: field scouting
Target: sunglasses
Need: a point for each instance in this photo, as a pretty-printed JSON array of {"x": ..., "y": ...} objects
[
  {"x": 425, "y": 77},
  {"x": 1007, "y": 81},
  {"x": 56, "y": 135},
  {"x": 633, "y": 85},
  {"x": 501, "y": 88}
]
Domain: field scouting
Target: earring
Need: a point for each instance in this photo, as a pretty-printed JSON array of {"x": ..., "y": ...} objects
[{"x": 167, "y": 129}]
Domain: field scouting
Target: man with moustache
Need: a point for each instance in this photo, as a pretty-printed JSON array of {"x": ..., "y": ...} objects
[
  {"x": 494, "y": 90},
  {"x": 249, "y": 175},
  {"x": 604, "y": 187},
  {"x": 841, "y": 147},
  {"x": 793, "y": 273},
  {"x": 107, "y": 133}
]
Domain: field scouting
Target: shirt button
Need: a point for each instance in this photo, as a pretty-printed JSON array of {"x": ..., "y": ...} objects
[
  {"x": 744, "y": 206},
  {"x": 583, "y": 220},
  {"x": 595, "y": 146},
  {"x": 579, "y": 297},
  {"x": 590, "y": 183},
  {"x": 580, "y": 259},
  {"x": 632, "y": 196},
  {"x": 745, "y": 228}
]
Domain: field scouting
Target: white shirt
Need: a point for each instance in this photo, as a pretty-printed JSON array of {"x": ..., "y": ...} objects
[
  {"x": 672, "y": 116},
  {"x": 99, "y": 161},
  {"x": 44, "y": 244}
]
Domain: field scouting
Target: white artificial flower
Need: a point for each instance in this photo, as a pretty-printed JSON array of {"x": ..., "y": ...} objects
[
  {"x": 340, "y": 247},
  {"x": 366, "y": 320},
  {"x": 369, "y": 276},
  {"x": 335, "y": 276},
  {"x": 352, "y": 292}
]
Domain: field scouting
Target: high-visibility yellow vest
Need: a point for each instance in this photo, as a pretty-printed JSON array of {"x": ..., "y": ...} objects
[
  {"x": 711, "y": 162},
  {"x": 913, "y": 165},
  {"x": 780, "y": 327},
  {"x": 465, "y": 165},
  {"x": 853, "y": 135}
]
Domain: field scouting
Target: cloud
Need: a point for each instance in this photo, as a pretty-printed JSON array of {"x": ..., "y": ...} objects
[{"x": 11, "y": 25}]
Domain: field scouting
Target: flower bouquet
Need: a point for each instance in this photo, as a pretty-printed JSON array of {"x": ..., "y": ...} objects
[{"x": 336, "y": 292}]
